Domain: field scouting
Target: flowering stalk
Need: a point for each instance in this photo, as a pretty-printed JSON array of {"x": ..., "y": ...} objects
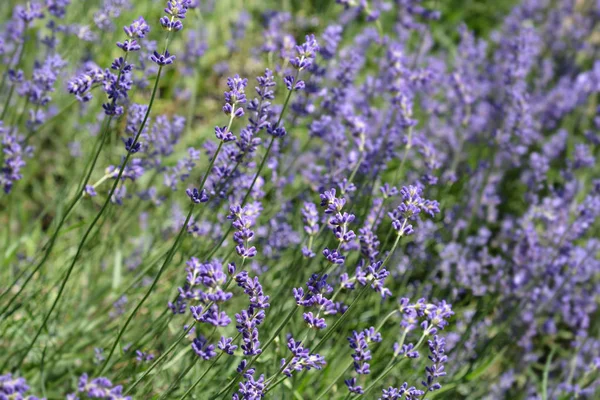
[
  {"x": 197, "y": 381},
  {"x": 304, "y": 59},
  {"x": 262, "y": 163},
  {"x": 393, "y": 364},
  {"x": 233, "y": 98}
]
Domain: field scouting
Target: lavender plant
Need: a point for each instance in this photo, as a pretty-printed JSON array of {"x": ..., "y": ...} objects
[{"x": 359, "y": 199}]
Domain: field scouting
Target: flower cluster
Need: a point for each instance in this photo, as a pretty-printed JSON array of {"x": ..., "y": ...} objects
[
  {"x": 14, "y": 388},
  {"x": 98, "y": 388},
  {"x": 438, "y": 358},
  {"x": 359, "y": 342},
  {"x": 412, "y": 204},
  {"x": 204, "y": 283},
  {"x": 176, "y": 11},
  {"x": 14, "y": 150},
  {"x": 431, "y": 316},
  {"x": 315, "y": 297},
  {"x": 249, "y": 320},
  {"x": 302, "y": 359},
  {"x": 235, "y": 97},
  {"x": 243, "y": 219},
  {"x": 500, "y": 124}
]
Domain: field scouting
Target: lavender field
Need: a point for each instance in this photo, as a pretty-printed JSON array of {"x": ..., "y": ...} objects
[{"x": 300, "y": 199}]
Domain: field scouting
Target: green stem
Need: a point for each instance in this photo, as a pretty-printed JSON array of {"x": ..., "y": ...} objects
[
  {"x": 7, "y": 102},
  {"x": 346, "y": 314},
  {"x": 546, "y": 373},
  {"x": 405, "y": 155},
  {"x": 78, "y": 195},
  {"x": 262, "y": 164},
  {"x": 162, "y": 357},
  {"x": 95, "y": 220},
  {"x": 392, "y": 364},
  {"x": 50, "y": 245},
  {"x": 335, "y": 380},
  {"x": 201, "y": 377},
  {"x": 149, "y": 291},
  {"x": 179, "y": 378}
]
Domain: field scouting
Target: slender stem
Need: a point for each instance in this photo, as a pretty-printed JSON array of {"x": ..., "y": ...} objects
[
  {"x": 392, "y": 364},
  {"x": 95, "y": 220},
  {"x": 387, "y": 317},
  {"x": 346, "y": 314},
  {"x": 262, "y": 164},
  {"x": 7, "y": 102},
  {"x": 78, "y": 195},
  {"x": 333, "y": 382},
  {"x": 210, "y": 166},
  {"x": 546, "y": 374},
  {"x": 273, "y": 386},
  {"x": 149, "y": 291},
  {"x": 179, "y": 378},
  {"x": 162, "y": 356},
  {"x": 405, "y": 155},
  {"x": 201, "y": 377},
  {"x": 17, "y": 122},
  {"x": 353, "y": 173},
  {"x": 50, "y": 245}
]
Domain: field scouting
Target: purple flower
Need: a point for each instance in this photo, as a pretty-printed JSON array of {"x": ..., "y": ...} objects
[
  {"x": 306, "y": 53},
  {"x": 142, "y": 356},
  {"x": 130, "y": 146},
  {"x": 393, "y": 393},
  {"x": 13, "y": 387},
  {"x": 177, "y": 8},
  {"x": 412, "y": 204},
  {"x": 129, "y": 45},
  {"x": 292, "y": 84},
  {"x": 14, "y": 150},
  {"x": 162, "y": 59},
  {"x": 310, "y": 217},
  {"x": 226, "y": 345},
  {"x": 331, "y": 38},
  {"x": 57, "y": 8},
  {"x": 235, "y": 96},
  {"x": 223, "y": 134},
  {"x": 302, "y": 359},
  {"x": 333, "y": 256},
  {"x": 251, "y": 388},
  {"x": 203, "y": 349},
  {"x": 171, "y": 25},
  {"x": 438, "y": 359},
  {"x": 243, "y": 220},
  {"x": 81, "y": 85},
  {"x": 137, "y": 29},
  {"x": 249, "y": 320},
  {"x": 331, "y": 202},
  {"x": 313, "y": 321},
  {"x": 406, "y": 350},
  {"x": 276, "y": 131},
  {"x": 353, "y": 387},
  {"x": 31, "y": 11},
  {"x": 197, "y": 197},
  {"x": 100, "y": 388}
]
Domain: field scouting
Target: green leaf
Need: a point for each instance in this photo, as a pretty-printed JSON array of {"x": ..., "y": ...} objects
[
  {"x": 484, "y": 366},
  {"x": 116, "y": 281}
]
